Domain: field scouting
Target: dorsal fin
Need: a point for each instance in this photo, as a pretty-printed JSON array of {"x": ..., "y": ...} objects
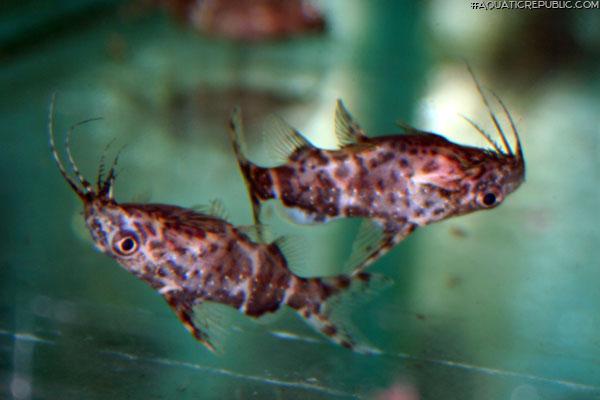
[
  {"x": 409, "y": 129},
  {"x": 215, "y": 208},
  {"x": 347, "y": 130},
  {"x": 282, "y": 139},
  {"x": 294, "y": 250}
]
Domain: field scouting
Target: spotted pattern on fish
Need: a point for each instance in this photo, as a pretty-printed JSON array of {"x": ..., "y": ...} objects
[
  {"x": 191, "y": 258},
  {"x": 398, "y": 182}
]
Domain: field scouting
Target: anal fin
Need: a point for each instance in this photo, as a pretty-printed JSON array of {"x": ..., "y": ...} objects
[
  {"x": 332, "y": 318},
  {"x": 374, "y": 240},
  {"x": 367, "y": 242},
  {"x": 188, "y": 314}
]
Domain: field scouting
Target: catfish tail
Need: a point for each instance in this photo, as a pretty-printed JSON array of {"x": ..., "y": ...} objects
[
  {"x": 236, "y": 132},
  {"x": 258, "y": 180},
  {"x": 325, "y": 303}
]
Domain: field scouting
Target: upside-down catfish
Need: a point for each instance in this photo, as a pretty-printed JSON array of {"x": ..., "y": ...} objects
[
  {"x": 191, "y": 258},
  {"x": 397, "y": 182}
]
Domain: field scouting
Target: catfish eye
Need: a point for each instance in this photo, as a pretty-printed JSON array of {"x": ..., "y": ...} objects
[
  {"x": 125, "y": 243},
  {"x": 489, "y": 198}
]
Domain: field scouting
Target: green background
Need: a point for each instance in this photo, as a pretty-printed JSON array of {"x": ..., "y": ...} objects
[{"x": 500, "y": 304}]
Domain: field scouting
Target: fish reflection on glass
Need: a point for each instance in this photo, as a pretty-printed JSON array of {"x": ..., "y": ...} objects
[
  {"x": 397, "y": 182},
  {"x": 192, "y": 258}
]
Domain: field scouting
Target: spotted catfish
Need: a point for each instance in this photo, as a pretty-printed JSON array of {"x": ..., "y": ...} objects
[
  {"x": 192, "y": 258},
  {"x": 397, "y": 182}
]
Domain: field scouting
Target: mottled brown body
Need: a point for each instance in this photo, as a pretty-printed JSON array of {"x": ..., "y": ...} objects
[
  {"x": 398, "y": 182},
  {"x": 191, "y": 258}
]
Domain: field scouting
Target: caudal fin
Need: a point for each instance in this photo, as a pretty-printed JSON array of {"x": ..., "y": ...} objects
[
  {"x": 331, "y": 317},
  {"x": 236, "y": 132}
]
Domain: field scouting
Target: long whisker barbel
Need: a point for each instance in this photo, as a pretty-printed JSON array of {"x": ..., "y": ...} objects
[
  {"x": 490, "y": 112},
  {"x": 106, "y": 187},
  {"x": 84, "y": 182},
  {"x": 482, "y": 132},
  {"x": 519, "y": 150},
  {"x": 55, "y": 155},
  {"x": 102, "y": 164}
]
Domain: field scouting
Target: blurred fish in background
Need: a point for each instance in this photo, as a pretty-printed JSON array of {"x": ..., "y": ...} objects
[
  {"x": 229, "y": 76},
  {"x": 255, "y": 20}
]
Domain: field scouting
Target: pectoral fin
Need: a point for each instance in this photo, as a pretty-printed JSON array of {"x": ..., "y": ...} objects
[{"x": 185, "y": 312}]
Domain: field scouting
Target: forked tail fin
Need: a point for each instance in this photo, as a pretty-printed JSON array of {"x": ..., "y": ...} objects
[
  {"x": 331, "y": 315},
  {"x": 258, "y": 181},
  {"x": 236, "y": 133}
]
